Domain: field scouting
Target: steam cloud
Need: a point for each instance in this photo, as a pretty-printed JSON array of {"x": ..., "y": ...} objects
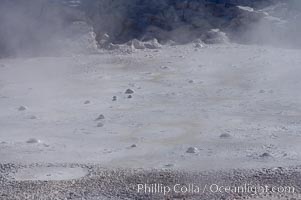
[{"x": 35, "y": 26}]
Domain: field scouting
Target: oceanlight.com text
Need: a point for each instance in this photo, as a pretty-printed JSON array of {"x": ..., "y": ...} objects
[{"x": 213, "y": 188}]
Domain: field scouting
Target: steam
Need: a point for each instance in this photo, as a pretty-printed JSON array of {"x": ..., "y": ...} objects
[
  {"x": 25, "y": 25},
  {"x": 33, "y": 27},
  {"x": 279, "y": 26},
  {"x": 272, "y": 22},
  {"x": 36, "y": 27}
]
